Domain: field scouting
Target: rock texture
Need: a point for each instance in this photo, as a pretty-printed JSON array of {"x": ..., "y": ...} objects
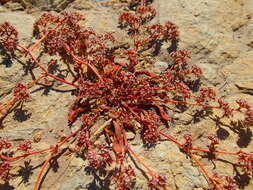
[{"x": 218, "y": 33}]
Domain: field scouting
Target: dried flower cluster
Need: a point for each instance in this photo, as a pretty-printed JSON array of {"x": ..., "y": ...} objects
[{"x": 9, "y": 37}]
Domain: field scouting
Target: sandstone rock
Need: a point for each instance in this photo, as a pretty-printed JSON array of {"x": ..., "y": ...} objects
[
  {"x": 160, "y": 67},
  {"x": 50, "y": 4},
  {"x": 20, "y": 134},
  {"x": 22, "y": 22},
  {"x": 14, "y": 6},
  {"x": 220, "y": 39},
  {"x": 3, "y": 9},
  {"x": 213, "y": 33},
  {"x": 130, "y": 135},
  {"x": 241, "y": 69},
  {"x": 37, "y": 136},
  {"x": 80, "y": 5}
]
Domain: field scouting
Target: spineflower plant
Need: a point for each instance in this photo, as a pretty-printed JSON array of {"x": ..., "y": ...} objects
[{"x": 110, "y": 83}]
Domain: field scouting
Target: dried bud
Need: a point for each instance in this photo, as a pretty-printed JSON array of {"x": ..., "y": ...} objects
[
  {"x": 21, "y": 92},
  {"x": 8, "y": 37},
  {"x": 227, "y": 110},
  {"x": 187, "y": 146},
  {"x": 214, "y": 141},
  {"x": 242, "y": 104},
  {"x": 157, "y": 182},
  {"x": 248, "y": 118},
  {"x": 25, "y": 146}
]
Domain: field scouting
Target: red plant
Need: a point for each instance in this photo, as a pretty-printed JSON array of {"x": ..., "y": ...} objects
[
  {"x": 128, "y": 97},
  {"x": 25, "y": 146},
  {"x": 214, "y": 141},
  {"x": 21, "y": 92},
  {"x": 246, "y": 160},
  {"x": 157, "y": 182},
  {"x": 4, "y": 144},
  {"x": 8, "y": 37},
  {"x": 125, "y": 178},
  {"x": 5, "y": 168},
  {"x": 248, "y": 118},
  {"x": 100, "y": 158}
]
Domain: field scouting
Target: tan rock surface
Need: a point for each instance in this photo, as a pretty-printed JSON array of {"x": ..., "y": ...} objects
[{"x": 219, "y": 33}]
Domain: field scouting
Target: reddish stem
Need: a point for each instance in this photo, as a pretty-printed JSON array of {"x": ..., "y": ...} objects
[
  {"x": 52, "y": 148},
  {"x": 24, "y": 155},
  {"x": 171, "y": 138},
  {"x": 151, "y": 172},
  {"x": 180, "y": 102},
  {"x": 34, "y": 46},
  {"x": 198, "y": 149},
  {"x": 41, "y": 172},
  {"x": 94, "y": 69},
  {"x": 29, "y": 85},
  {"x": 8, "y": 104},
  {"x": 204, "y": 171},
  {"x": 44, "y": 69}
]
